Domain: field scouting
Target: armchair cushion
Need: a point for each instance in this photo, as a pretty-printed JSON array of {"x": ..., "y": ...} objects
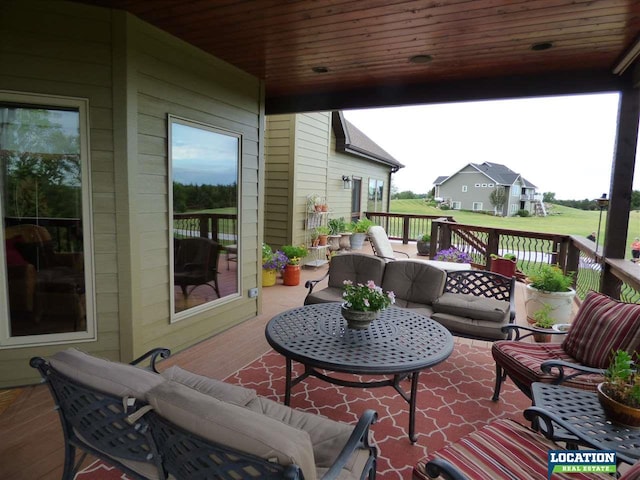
[
  {"x": 223, "y": 391},
  {"x": 602, "y": 325},
  {"x": 234, "y": 426},
  {"x": 114, "y": 378},
  {"x": 471, "y": 306}
]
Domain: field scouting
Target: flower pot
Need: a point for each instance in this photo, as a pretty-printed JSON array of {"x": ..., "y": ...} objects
[
  {"x": 617, "y": 412},
  {"x": 542, "y": 337},
  {"x": 334, "y": 242},
  {"x": 357, "y": 240},
  {"x": 268, "y": 277},
  {"x": 561, "y": 304},
  {"x": 345, "y": 241},
  {"x": 503, "y": 266},
  {"x": 356, "y": 319},
  {"x": 322, "y": 240},
  {"x": 423, "y": 248},
  {"x": 291, "y": 275}
]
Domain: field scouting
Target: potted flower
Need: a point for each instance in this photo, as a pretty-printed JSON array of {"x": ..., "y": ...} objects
[
  {"x": 363, "y": 303},
  {"x": 272, "y": 263},
  {"x": 619, "y": 394},
  {"x": 453, "y": 255},
  {"x": 291, "y": 273},
  {"x": 338, "y": 236},
  {"x": 359, "y": 231},
  {"x": 323, "y": 232},
  {"x": 504, "y": 264},
  {"x": 543, "y": 321},
  {"x": 424, "y": 244},
  {"x": 549, "y": 285}
]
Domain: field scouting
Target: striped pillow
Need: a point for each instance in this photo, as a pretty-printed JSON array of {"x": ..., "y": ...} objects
[{"x": 602, "y": 325}]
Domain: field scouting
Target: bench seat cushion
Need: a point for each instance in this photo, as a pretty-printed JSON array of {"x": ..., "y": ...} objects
[
  {"x": 233, "y": 426},
  {"x": 326, "y": 295},
  {"x": 468, "y": 327},
  {"x": 471, "y": 306},
  {"x": 115, "y": 378}
]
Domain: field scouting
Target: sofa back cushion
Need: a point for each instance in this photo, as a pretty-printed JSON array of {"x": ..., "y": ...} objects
[
  {"x": 357, "y": 267},
  {"x": 234, "y": 426},
  {"x": 414, "y": 281},
  {"x": 114, "y": 378},
  {"x": 602, "y": 325}
]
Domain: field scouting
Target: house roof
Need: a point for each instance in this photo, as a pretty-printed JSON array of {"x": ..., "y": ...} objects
[
  {"x": 350, "y": 139},
  {"x": 498, "y": 173},
  {"x": 320, "y": 56}
]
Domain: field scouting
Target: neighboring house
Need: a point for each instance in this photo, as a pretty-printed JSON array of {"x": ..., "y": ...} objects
[
  {"x": 313, "y": 154},
  {"x": 107, "y": 88},
  {"x": 470, "y": 188}
]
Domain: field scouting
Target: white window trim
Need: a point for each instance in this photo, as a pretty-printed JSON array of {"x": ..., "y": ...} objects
[
  {"x": 6, "y": 341},
  {"x": 477, "y": 206},
  {"x": 464, "y": 188},
  {"x": 456, "y": 205},
  {"x": 191, "y": 312}
]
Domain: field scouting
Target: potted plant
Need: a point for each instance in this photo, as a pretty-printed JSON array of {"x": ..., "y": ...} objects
[
  {"x": 549, "y": 285},
  {"x": 543, "y": 321},
  {"x": 424, "y": 244},
  {"x": 295, "y": 254},
  {"x": 504, "y": 264},
  {"x": 272, "y": 263},
  {"x": 619, "y": 394},
  {"x": 336, "y": 227},
  {"x": 363, "y": 303},
  {"x": 359, "y": 231},
  {"x": 453, "y": 255},
  {"x": 323, "y": 232}
]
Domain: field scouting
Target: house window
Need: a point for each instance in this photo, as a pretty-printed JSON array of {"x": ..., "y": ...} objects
[
  {"x": 464, "y": 188},
  {"x": 477, "y": 206},
  {"x": 477, "y": 185},
  {"x": 484, "y": 185},
  {"x": 513, "y": 208},
  {"x": 490, "y": 185},
  {"x": 204, "y": 178},
  {"x": 374, "y": 197},
  {"x": 456, "y": 205},
  {"x": 46, "y": 288},
  {"x": 515, "y": 190}
]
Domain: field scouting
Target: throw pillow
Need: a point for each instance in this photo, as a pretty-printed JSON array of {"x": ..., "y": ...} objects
[{"x": 14, "y": 257}]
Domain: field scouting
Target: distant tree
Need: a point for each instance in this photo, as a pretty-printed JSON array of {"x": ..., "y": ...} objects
[
  {"x": 635, "y": 200},
  {"x": 498, "y": 198},
  {"x": 394, "y": 190},
  {"x": 549, "y": 197}
]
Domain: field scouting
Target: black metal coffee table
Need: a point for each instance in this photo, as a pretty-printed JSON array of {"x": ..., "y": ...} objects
[
  {"x": 578, "y": 418},
  {"x": 399, "y": 343}
]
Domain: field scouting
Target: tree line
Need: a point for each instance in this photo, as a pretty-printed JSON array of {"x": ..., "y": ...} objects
[
  {"x": 587, "y": 203},
  {"x": 200, "y": 197}
]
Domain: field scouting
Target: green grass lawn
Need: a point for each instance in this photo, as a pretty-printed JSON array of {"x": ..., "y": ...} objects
[{"x": 561, "y": 220}]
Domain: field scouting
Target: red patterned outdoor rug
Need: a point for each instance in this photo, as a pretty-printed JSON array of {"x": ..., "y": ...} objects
[{"x": 454, "y": 399}]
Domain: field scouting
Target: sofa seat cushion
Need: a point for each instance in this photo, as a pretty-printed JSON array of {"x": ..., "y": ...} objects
[
  {"x": 414, "y": 281},
  {"x": 523, "y": 359},
  {"x": 418, "y": 308},
  {"x": 233, "y": 426},
  {"x": 328, "y": 437},
  {"x": 223, "y": 391},
  {"x": 326, "y": 295},
  {"x": 115, "y": 378},
  {"x": 503, "y": 449},
  {"x": 472, "y": 306},
  {"x": 468, "y": 327}
]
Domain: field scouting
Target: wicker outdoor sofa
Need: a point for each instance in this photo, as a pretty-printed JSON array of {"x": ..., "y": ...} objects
[{"x": 184, "y": 426}]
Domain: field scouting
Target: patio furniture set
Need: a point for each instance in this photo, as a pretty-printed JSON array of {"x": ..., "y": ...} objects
[{"x": 189, "y": 426}]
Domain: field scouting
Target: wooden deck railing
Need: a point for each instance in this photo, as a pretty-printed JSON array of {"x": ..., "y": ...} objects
[
  {"x": 222, "y": 227},
  {"x": 617, "y": 278}
]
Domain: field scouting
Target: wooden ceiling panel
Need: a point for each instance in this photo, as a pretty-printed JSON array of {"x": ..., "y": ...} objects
[{"x": 368, "y": 43}]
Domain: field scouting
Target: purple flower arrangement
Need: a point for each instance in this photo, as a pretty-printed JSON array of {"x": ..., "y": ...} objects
[{"x": 453, "y": 255}]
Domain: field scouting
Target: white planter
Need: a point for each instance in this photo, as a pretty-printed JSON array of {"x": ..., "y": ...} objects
[{"x": 561, "y": 303}]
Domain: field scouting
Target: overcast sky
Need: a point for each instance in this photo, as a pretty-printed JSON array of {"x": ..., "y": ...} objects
[{"x": 560, "y": 144}]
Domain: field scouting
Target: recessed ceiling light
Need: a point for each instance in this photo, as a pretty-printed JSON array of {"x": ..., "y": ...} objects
[
  {"x": 537, "y": 47},
  {"x": 320, "y": 69},
  {"x": 420, "y": 59}
]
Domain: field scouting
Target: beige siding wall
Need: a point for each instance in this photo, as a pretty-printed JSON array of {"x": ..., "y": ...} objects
[{"x": 62, "y": 48}]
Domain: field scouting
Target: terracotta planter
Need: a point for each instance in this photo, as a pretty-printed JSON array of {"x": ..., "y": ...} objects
[
  {"x": 541, "y": 337},
  {"x": 322, "y": 240},
  {"x": 291, "y": 275},
  {"x": 503, "y": 266},
  {"x": 617, "y": 412},
  {"x": 423, "y": 248},
  {"x": 356, "y": 319},
  {"x": 268, "y": 277}
]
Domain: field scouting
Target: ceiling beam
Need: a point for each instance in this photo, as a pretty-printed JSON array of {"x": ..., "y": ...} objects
[{"x": 494, "y": 88}]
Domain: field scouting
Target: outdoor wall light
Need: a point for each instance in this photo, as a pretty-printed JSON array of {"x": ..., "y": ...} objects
[
  {"x": 346, "y": 182},
  {"x": 603, "y": 203}
]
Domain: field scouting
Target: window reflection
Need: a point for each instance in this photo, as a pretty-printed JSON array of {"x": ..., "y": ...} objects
[{"x": 204, "y": 166}]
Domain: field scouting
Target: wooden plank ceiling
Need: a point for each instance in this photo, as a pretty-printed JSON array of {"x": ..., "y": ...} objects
[{"x": 341, "y": 53}]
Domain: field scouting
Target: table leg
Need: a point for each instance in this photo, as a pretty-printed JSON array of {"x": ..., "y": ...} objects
[
  {"x": 412, "y": 407},
  {"x": 287, "y": 384}
]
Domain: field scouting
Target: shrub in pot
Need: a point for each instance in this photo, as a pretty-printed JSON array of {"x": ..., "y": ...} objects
[
  {"x": 424, "y": 244},
  {"x": 359, "y": 231},
  {"x": 543, "y": 321},
  {"x": 619, "y": 394},
  {"x": 503, "y": 264},
  {"x": 322, "y": 232},
  {"x": 550, "y": 286}
]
